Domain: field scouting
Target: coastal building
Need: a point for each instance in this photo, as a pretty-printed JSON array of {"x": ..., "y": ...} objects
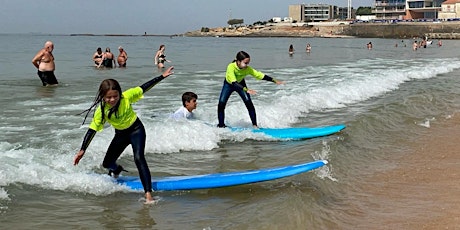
[
  {"x": 407, "y": 9},
  {"x": 287, "y": 19},
  {"x": 389, "y": 9},
  {"x": 450, "y": 9},
  {"x": 383, "y": 10},
  {"x": 317, "y": 12},
  {"x": 295, "y": 12},
  {"x": 345, "y": 13},
  {"x": 276, "y": 19},
  {"x": 427, "y": 9}
]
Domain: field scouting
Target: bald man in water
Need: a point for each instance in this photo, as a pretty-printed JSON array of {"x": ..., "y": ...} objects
[{"x": 44, "y": 62}]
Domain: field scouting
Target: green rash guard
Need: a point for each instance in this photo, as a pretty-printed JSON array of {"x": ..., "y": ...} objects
[
  {"x": 124, "y": 117},
  {"x": 234, "y": 73}
]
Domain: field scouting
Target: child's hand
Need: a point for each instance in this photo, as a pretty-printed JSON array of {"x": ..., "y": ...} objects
[
  {"x": 168, "y": 71},
  {"x": 78, "y": 157},
  {"x": 280, "y": 82},
  {"x": 251, "y": 91}
]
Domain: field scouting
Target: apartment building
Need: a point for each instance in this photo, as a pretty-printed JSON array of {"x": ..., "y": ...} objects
[
  {"x": 313, "y": 12},
  {"x": 390, "y": 9},
  {"x": 407, "y": 9},
  {"x": 450, "y": 9}
]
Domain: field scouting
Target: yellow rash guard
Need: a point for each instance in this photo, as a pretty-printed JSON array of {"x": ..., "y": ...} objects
[
  {"x": 124, "y": 117},
  {"x": 234, "y": 73}
]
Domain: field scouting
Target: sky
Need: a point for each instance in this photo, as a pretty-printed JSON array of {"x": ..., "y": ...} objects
[{"x": 139, "y": 16}]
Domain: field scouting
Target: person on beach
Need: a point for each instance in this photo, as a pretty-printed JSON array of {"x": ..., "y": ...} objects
[
  {"x": 109, "y": 60},
  {"x": 234, "y": 81},
  {"x": 44, "y": 62},
  {"x": 188, "y": 105},
  {"x": 98, "y": 57},
  {"x": 160, "y": 57},
  {"x": 122, "y": 57},
  {"x": 114, "y": 106}
]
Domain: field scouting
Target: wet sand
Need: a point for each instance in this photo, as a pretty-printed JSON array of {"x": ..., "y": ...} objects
[{"x": 423, "y": 190}]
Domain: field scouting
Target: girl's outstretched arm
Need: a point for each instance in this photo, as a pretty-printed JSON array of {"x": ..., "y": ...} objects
[{"x": 148, "y": 85}]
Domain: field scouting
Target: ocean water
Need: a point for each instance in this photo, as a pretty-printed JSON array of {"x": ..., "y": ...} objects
[{"x": 387, "y": 97}]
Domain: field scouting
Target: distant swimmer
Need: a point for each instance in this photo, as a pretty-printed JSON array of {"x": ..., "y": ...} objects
[
  {"x": 369, "y": 45},
  {"x": 308, "y": 48},
  {"x": 160, "y": 57},
  {"x": 44, "y": 62},
  {"x": 122, "y": 57},
  {"x": 108, "y": 59},
  {"x": 98, "y": 57},
  {"x": 414, "y": 46},
  {"x": 291, "y": 49}
]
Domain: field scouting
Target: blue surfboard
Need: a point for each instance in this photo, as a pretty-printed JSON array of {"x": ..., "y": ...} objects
[
  {"x": 217, "y": 180},
  {"x": 296, "y": 132}
]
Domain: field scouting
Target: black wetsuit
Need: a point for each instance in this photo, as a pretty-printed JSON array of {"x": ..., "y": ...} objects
[{"x": 134, "y": 135}]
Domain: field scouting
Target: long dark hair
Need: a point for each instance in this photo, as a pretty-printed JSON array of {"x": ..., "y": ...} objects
[
  {"x": 240, "y": 56},
  {"x": 106, "y": 85}
]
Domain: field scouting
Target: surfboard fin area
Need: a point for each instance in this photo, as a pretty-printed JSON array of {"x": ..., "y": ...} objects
[{"x": 225, "y": 179}]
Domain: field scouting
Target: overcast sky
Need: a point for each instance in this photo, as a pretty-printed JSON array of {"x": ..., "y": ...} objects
[{"x": 139, "y": 16}]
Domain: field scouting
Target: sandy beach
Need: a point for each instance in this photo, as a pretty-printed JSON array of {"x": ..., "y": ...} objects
[{"x": 422, "y": 191}]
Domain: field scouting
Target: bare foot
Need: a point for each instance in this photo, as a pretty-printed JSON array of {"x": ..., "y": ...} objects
[
  {"x": 149, "y": 199},
  {"x": 151, "y": 202}
]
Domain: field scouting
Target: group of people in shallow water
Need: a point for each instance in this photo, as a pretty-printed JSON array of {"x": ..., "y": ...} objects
[
  {"x": 114, "y": 106},
  {"x": 107, "y": 58}
]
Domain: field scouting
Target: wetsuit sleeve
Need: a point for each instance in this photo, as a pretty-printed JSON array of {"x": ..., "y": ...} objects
[
  {"x": 88, "y": 138},
  {"x": 148, "y": 85},
  {"x": 268, "y": 78}
]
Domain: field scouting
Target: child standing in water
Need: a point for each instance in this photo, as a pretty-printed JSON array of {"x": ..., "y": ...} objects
[
  {"x": 234, "y": 81},
  {"x": 115, "y": 107}
]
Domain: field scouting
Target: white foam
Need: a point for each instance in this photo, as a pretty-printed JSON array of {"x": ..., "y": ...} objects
[
  {"x": 4, "y": 194},
  {"x": 45, "y": 160}
]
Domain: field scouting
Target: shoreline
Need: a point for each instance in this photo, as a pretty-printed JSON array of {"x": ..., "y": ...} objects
[
  {"x": 441, "y": 30},
  {"x": 421, "y": 192}
]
